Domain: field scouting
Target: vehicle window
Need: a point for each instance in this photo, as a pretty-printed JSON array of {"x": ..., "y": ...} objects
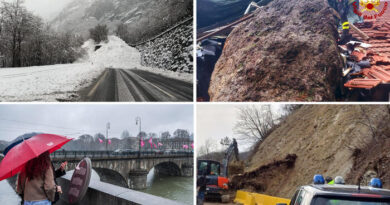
[
  {"x": 214, "y": 168},
  {"x": 342, "y": 201},
  {"x": 292, "y": 202},
  {"x": 202, "y": 168},
  {"x": 300, "y": 197}
]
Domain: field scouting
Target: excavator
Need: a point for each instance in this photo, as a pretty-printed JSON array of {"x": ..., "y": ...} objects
[{"x": 216, "y": 173}]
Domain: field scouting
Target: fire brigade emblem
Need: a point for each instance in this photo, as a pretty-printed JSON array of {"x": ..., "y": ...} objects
[
  {"x": 370, "y": 9},
  {"x": 369, "y": 5}
]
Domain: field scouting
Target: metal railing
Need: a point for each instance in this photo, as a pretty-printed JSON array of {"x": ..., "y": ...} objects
[{"x": 62, "y": 154}]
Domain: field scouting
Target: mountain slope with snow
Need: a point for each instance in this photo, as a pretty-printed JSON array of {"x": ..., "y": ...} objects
[{"x": 144, "y": 18}]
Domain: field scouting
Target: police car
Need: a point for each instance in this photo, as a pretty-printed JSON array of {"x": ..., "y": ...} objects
[{"x": 339, "y": 194}]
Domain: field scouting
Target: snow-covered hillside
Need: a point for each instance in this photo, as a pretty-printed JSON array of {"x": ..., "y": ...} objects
[
  {"x": 113, "y": 54},
  {"x": 145, "y": 18}
]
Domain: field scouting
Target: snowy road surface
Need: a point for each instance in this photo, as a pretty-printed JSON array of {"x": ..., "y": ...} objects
[
  {"x": 138, "y": 85},
  {"x": 46, "y": 83},
  {"x": 7, "y": 195}
]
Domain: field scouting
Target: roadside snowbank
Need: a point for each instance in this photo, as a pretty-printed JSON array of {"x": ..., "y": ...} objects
[
  {"x": 117, "y": 54},
  {"x": 46, "y": 83}
]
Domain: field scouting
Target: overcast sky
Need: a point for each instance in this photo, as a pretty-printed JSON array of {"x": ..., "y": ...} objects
[
  {"x": 46, "y": 9},
  {"x": 75, "y": 119},
  {"x": 216, "y": 121}
]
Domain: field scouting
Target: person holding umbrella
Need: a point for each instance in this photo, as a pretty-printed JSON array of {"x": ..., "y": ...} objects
[
  {"x": 57, "y": 173},
  {"x": 36, "y": 182},
  {"x": 31, "y": 158}
]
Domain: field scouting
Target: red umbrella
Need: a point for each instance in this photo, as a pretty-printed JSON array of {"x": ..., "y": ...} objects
[{"x": 19, "y": 155}]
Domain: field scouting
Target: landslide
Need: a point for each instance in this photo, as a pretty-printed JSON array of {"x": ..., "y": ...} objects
[
  {"x": 287, "y": 52},
  {"x": 324, "y": 139}
]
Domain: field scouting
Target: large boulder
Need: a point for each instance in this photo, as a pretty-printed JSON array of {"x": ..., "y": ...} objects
[{"x": 287, "y": 52}]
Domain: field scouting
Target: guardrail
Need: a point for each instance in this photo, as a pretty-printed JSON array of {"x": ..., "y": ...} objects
[{"x": 61, "y": 154}]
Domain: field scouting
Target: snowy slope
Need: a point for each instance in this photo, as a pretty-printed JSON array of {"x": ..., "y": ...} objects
[
  {"x": 144, "y": 18},
  {"x": 45, "y": 83},
  {"x": 113, "y": 54}
]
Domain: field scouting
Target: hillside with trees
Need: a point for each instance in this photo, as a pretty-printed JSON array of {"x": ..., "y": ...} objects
[{"x": 26, "y": 40}]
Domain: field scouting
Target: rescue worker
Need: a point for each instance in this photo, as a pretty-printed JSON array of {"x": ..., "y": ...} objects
[
  {"x": 376, "y": 183},
  {"x": 318, "y": 179},
  {"x": 201, "y": 188},
  {"x": 329, "y": 180},
  {"x": 339, "y": 180},
  {"x": 343, "y": 8}
]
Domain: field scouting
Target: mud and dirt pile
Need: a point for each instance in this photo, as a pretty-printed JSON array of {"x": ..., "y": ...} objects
[
  {"x": 327, "y": 139},
  {"x": 265, "y": 177},
  {"x": 236, "y": 167},
  {"x": 287, "y": 52},
  {"x": 372, "y": 161}
]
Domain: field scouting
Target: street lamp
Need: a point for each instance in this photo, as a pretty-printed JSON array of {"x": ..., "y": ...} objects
[
  {"x": 107, "y": 128},
  {"x": 138, "y": 122}
]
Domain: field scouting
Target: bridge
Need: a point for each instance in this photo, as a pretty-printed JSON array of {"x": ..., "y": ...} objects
[{"x": 130, "y": 169}]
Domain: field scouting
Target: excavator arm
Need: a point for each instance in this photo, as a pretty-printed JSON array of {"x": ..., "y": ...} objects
[{"x": 232, "y": 149}]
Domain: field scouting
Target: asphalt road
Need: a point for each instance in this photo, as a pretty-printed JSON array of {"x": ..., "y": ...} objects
[{"x": 124, "y": 85}]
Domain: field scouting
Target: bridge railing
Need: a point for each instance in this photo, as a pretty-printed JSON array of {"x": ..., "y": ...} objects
[{"x": 61, "y": 154}]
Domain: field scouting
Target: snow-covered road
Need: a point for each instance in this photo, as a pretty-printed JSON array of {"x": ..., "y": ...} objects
[{"x": 46, "y": 83}]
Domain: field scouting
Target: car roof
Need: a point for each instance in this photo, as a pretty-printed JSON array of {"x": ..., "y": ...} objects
[{"x": 348, "y": 190}]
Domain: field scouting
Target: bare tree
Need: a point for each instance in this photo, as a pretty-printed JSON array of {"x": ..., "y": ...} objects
[
  {"x": 152, "y": 135},
  {"x": 26, "y": 41},
  {"x": 125, "y": 134},
  {"x": 255, "y": 122},
  {"x": 16, "y": 23},
  {"x": 226, "y": 141},
  {"x": 99, "y": 33},
  {"x": 207, "y": 148},
  {"x": 122, "y": 31},
  {"x": 180, "y": 133},
  {"x": 368, "y": 123},
  {"x": 165, "y": 135}
]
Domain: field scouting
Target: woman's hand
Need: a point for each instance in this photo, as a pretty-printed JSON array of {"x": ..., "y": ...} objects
[
  {"x": 59, "y": 190},
  {"x": 63, "y": 165}
]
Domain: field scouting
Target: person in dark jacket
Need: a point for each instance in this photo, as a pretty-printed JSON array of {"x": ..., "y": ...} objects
[
  {"x": 343, "y": 8},
  {"x": 201, "y": 186},
  {"x": 60, "y": 171}
]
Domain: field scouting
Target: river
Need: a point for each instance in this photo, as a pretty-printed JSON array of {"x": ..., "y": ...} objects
[{"x": 175, "y": 188}]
